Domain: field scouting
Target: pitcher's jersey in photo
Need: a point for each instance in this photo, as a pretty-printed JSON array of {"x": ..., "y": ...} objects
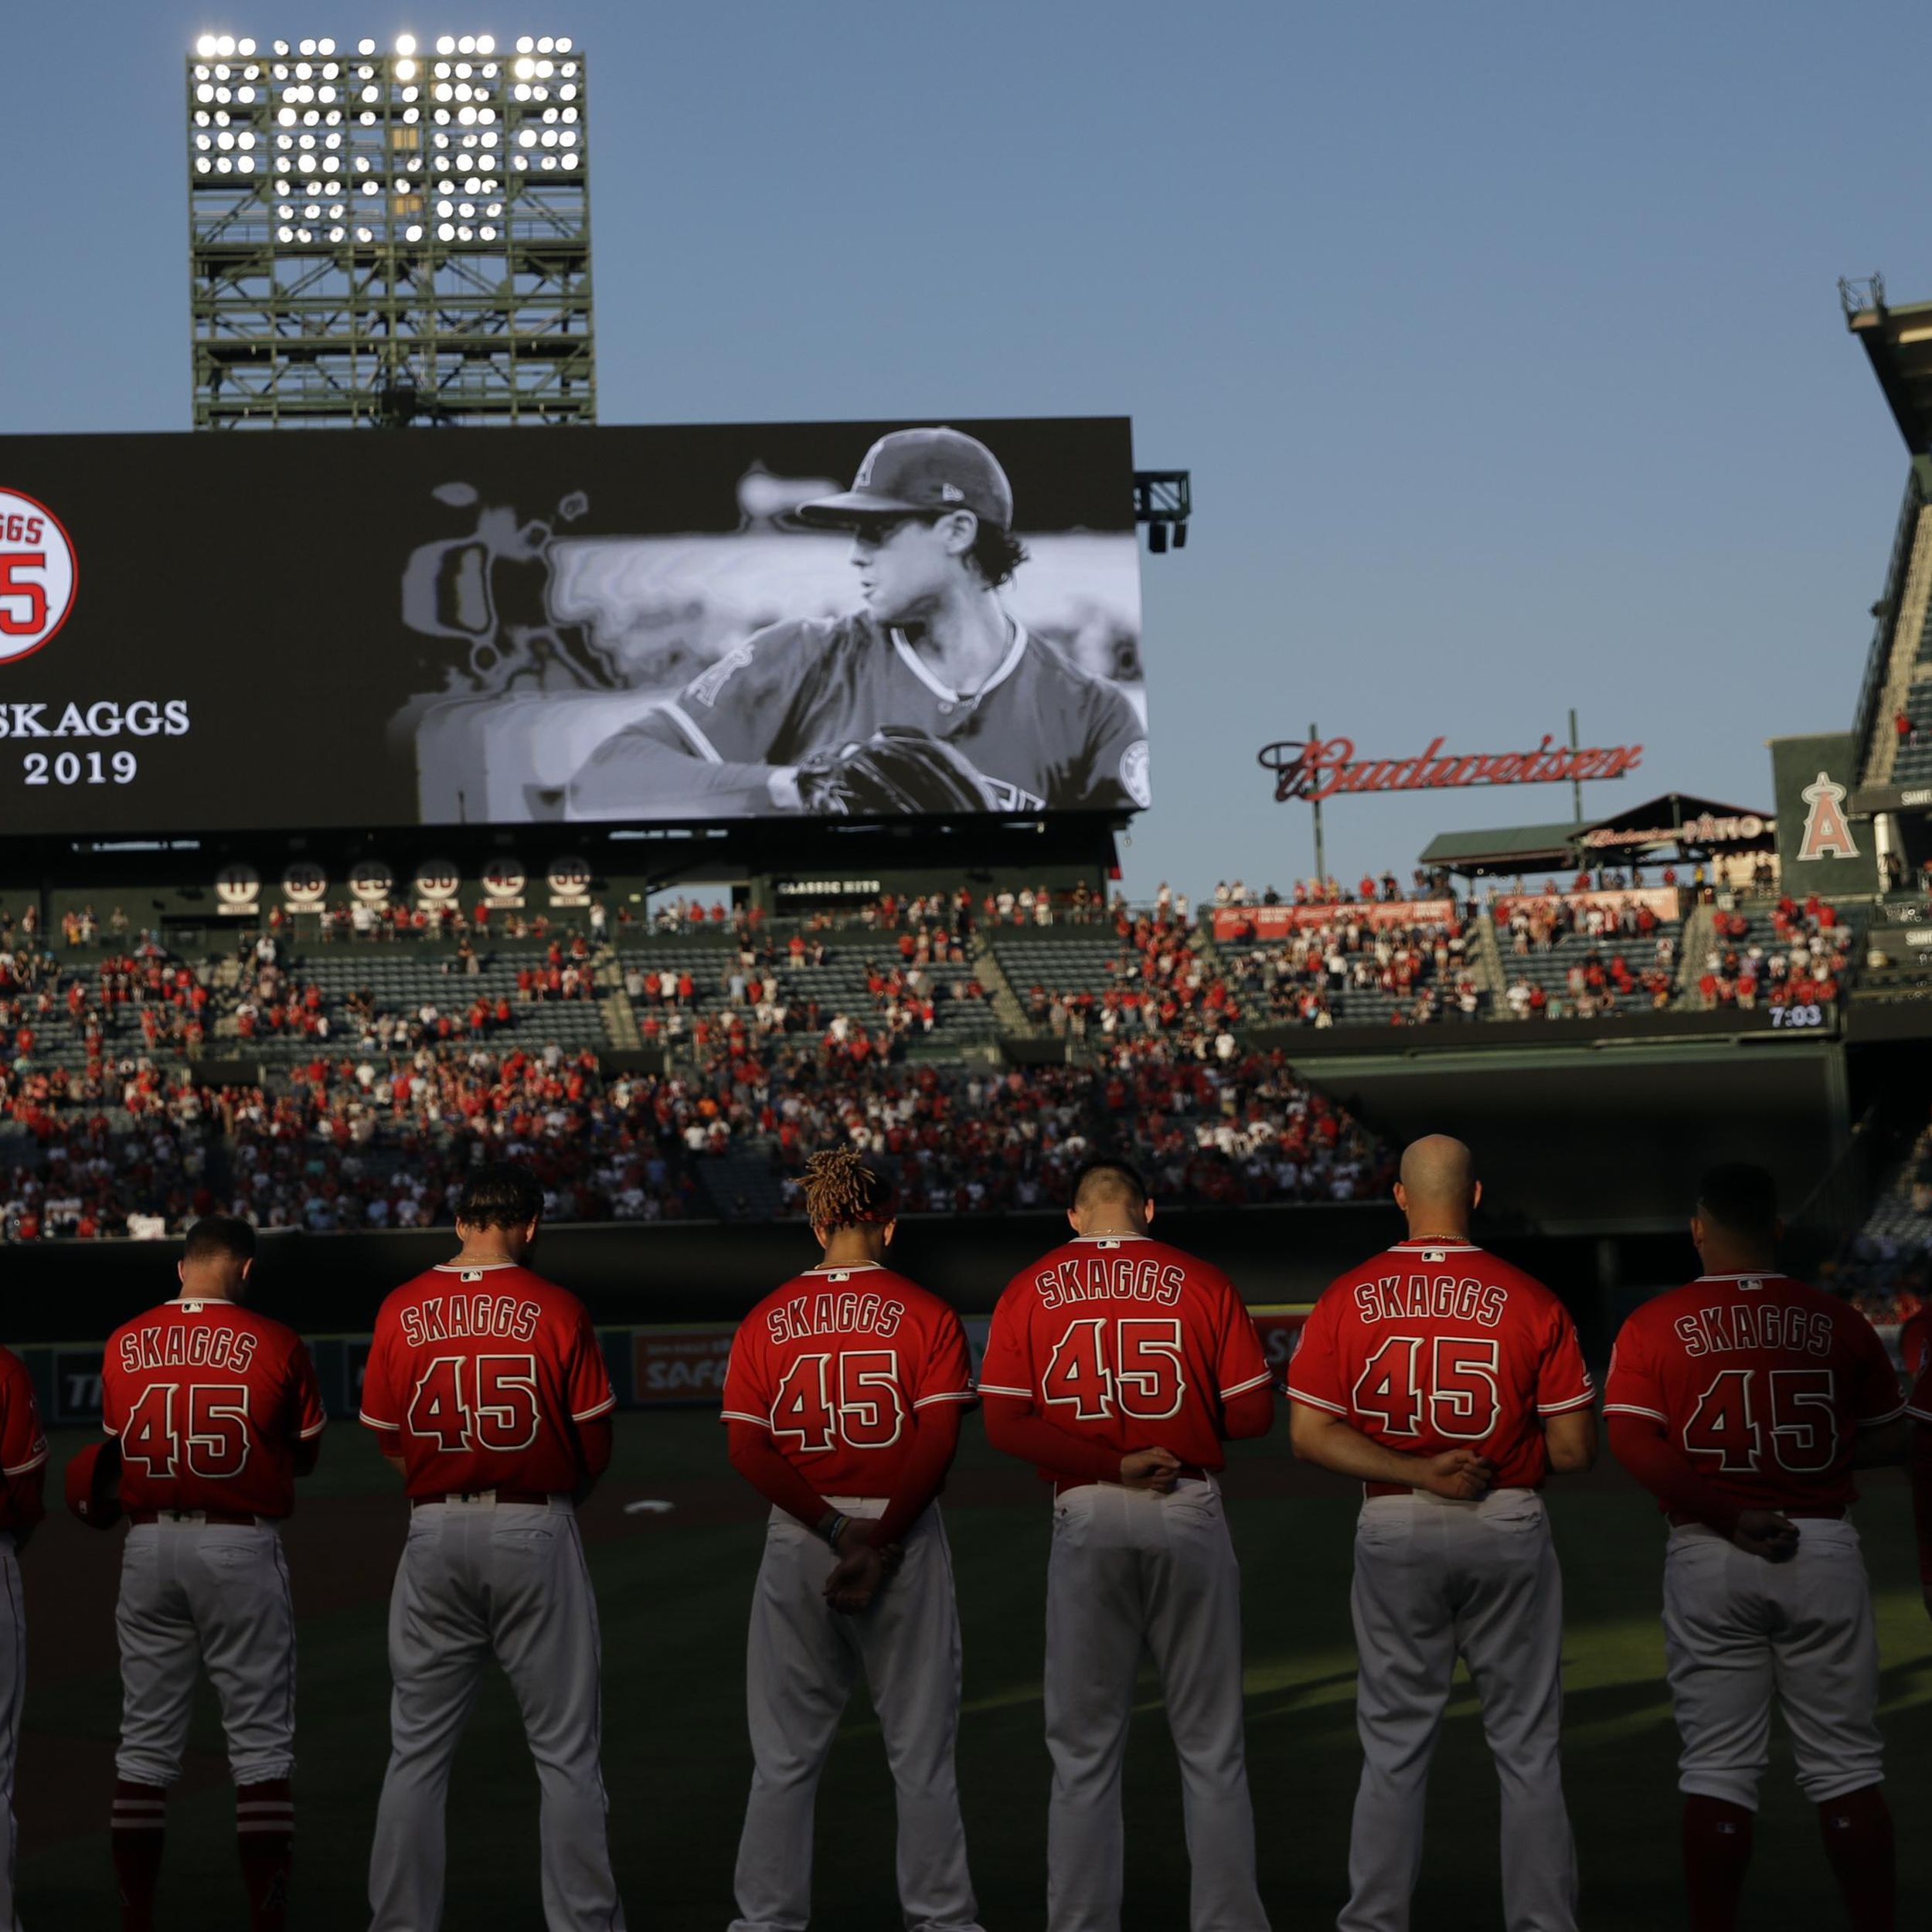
[
  {"x": 1762, "y": 1382},
  {"x": 208, "y": 1399},
  {"x": 1046, "y": 733},
  {"x": 478, "y": 1377},
  {"x": 1127, "y": 1343},
  {"x": 23, "y": 1443},
  {"x": 833, "y": 1366},
  {"x": 1435, "y": 1345}
]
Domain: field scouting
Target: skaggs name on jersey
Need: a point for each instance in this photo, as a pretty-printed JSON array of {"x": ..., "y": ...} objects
[
  {"x": 446, "y": 1317},
  {"x": 1755, "y": 1324},
  {"x": 1108, "y": 1278},
  {"x": 848, "y": 1314},
  {"x": 1393, "y": 1299},
  {"x": 172, "y": 1345}
]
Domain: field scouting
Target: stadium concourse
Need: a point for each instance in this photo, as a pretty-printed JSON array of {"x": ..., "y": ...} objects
[{"x": 339, "y": 1072}]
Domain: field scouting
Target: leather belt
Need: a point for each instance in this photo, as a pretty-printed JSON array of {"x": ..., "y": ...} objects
[
  {"x": 1188, "y": 1472},
  {"x": 538, "y": 1498},
  {"x": 222, "y": 1518},
  {"x": 1372, "y": 1490},
  {"x": 1678, "y": 1521}
]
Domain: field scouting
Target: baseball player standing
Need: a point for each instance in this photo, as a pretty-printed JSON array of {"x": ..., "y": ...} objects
[
  {"x": 844, "y": 1398},
  {"x": 1744, "y": 1403},
  {"x": 489, "y": 1390},
  {"x": 1450, "y": 1384},
  {"x": 1118, "y": 1366},
  {"x": 214, "y": 1411},
  {"x": 23, "y": 1468}
]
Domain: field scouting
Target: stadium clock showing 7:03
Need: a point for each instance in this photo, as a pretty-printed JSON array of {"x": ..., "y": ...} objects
[{"x": 1797, "y": 1018}]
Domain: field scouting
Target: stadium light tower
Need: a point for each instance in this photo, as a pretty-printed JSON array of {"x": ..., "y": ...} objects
[{"x": 389, "y": 235}]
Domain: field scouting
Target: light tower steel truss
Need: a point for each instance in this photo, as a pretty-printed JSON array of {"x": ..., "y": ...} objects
[{"x": 387, "y": 238}]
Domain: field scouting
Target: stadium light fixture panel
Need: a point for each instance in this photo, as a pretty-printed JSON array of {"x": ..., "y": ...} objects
[{"x": 385, "y": 237}]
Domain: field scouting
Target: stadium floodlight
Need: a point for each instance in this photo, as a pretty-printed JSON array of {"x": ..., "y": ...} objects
[{"x": 428, "y": 131}]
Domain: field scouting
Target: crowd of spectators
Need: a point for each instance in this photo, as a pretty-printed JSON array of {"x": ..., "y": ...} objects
[
  {"x": 1422, "y": 965},
  {"x": 106, "y": 1128},
  {"x": 1885, "y": 1268},
  {"x": 960, "y": 1141},
  {"x": 1628, "y": 957},
  {"x": 1423, "y": 884},
  {"x": 124, "y": 1152},
  {"x": 1803, "y": 964},
  {"x": 1158, "y": 981}
]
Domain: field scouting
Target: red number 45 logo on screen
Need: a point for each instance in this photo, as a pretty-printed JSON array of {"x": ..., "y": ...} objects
[{"x": 37, "y": 575}]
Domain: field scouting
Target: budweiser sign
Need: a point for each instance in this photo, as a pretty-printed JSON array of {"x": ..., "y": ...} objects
[
  {"x": 1707, "y": 829},
  {"x": 1325, "y": 767}
]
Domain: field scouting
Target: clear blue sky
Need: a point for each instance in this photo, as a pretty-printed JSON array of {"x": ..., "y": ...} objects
[{"x": 1502, "y": 341}]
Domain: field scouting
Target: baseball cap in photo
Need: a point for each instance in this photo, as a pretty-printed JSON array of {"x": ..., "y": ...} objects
[{"x": 917, "y": 472}]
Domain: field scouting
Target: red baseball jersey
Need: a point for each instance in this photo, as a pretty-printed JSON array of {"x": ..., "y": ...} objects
[
  {"x": 480, "y": 1375},
  {"x": 1915, "y": 1344},
  {"x": 23, "y": 1444},
  {"x": 1920, "y": 1406},
  {"x": 208, "y": 1399},
  {"x": 1127, "y": 1343},
  {"x": 1435, "y": 1345},
  {"x": 834, "y": 1364},
  {"x": 1041, "y": 731},
  {"x": 1761, "y": 1381}
]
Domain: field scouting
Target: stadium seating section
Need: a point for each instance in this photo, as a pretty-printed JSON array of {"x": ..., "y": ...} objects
[{"x": 687, "y": 1068}]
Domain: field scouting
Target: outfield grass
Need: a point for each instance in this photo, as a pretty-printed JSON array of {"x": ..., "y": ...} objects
[{"x": 674, "y": 1590}]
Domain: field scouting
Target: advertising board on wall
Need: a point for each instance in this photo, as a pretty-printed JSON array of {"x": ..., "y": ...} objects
[
  {"x": 685, "y": 625},
  {"x": 672, "y": 1366},
  {"x": 1277, "y": 922}
]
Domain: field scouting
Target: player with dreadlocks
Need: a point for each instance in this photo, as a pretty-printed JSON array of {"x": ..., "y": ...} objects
[{"x": 843, "y": 1399}]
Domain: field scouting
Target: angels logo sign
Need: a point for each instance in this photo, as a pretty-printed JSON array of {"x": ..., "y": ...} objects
[
  {"x": 37, "y": 575},
  {"x": 1827, "y": 833}
]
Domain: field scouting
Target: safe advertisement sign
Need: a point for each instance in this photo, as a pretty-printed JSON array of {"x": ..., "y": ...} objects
[{"x": 290, "y": 631}]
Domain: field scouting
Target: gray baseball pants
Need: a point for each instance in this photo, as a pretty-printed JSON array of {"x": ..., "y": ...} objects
[
  {"x": 1434, "y": 1580},
  {"x": 1133, "y": 1572},
  {"x": 803, "y": 1659},
  {"x": 477, "y": 1580},
  {"x": 194, "y": 1592},
  {"x": 1739, "y": 1631}
]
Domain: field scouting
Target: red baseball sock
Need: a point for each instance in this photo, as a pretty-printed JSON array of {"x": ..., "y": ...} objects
[
  {"x": 1717, "y": 1851},
  {"x": 140, "y": 1820},
  {"x": 265, "y": 1826},
  {"x": 1857, "y": 1829}
]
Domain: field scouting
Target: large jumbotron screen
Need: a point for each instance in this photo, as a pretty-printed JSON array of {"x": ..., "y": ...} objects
[{"x": 206, "y": 633}]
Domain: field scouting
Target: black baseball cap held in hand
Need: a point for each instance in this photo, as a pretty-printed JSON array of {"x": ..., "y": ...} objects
[{"x": 919, "y": 473}]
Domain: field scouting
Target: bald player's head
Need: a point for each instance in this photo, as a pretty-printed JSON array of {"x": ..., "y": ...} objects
[{"x": 1438, "y": 1189}]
